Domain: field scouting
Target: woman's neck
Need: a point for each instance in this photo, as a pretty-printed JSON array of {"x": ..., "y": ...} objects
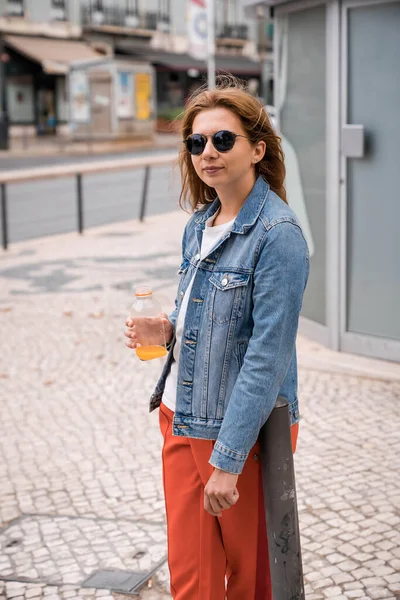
[{"x": 233, "y": 196}]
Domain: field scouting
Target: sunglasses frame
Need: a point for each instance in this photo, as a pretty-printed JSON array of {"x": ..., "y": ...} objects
[{"x": 205, "y": 137}]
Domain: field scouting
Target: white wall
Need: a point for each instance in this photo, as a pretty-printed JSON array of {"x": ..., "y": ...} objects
[{"x": 38, "y": 11}]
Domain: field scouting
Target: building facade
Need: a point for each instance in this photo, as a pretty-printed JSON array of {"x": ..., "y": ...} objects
[
  {"x": 337, "y": 94},
  {"x": 41, "y": 40}
]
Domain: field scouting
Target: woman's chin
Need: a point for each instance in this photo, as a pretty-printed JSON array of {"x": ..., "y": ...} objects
[{"x": 213, "y": 179}]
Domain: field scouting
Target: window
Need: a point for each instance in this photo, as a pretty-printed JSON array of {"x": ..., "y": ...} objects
[
  {"x": 132, "y": 7},
  {"x": 59, "y": 10},
  {"x": 96, "y": 5},
  {"x": 164, "y": 9},
  {"x": 15, "y": 8}
]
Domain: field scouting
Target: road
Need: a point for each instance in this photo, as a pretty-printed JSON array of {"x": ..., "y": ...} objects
[{"x": 42, "y": 208}]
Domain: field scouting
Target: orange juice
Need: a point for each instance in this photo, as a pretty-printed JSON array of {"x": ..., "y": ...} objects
[
  {"x": 150, "y": 352},
  {"x": 147, "y": 316}
]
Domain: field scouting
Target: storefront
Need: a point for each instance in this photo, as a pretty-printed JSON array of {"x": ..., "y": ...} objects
[
  {"x": 111, "y": 99},
  {"x": 36, "y": 95},
  {"x": 179, "y": 75},
  {"x": 337, "y": 94}
]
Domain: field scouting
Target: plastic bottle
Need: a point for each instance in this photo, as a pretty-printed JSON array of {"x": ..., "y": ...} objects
[{"x": 146, "y": 305}]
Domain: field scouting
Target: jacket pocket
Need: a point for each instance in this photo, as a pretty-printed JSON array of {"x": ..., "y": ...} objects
[{"x": 228, "y": 294}]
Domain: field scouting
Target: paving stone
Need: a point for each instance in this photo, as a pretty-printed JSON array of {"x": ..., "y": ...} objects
[
  {"x": 373, "y": 582},
  {"x": 340, "y": 578},
  {"x": 332, "y": 592},
  {"x": 379, "y": 593}
]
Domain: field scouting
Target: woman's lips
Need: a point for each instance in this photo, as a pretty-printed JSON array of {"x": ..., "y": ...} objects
[{"x": 212, "y": 170}]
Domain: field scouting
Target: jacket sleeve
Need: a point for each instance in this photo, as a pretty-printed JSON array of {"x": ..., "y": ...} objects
[{"x": 280, "y": 277}]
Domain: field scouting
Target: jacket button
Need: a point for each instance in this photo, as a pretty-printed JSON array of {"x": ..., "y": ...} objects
[
  {"x": 224, "y": 281},
  {"x": 197, "y": 257},
  {"x": 182, "y": 294}
]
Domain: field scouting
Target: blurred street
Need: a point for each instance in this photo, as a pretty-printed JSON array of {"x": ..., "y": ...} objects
[
  {"x": 48, "y": 207},
  {"x": 80, "y": 469}
]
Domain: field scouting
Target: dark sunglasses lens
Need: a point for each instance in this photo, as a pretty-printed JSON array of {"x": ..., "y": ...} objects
[
  {"x": 224, "y": 140},
  {"x": 195, "y": 144}
]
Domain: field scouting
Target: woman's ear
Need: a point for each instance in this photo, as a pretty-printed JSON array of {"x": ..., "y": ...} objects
[{"x": 259, "y": 151}]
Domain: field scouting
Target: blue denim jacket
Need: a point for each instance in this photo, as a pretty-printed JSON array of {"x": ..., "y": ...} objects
[{"x": 238, "y": 345}]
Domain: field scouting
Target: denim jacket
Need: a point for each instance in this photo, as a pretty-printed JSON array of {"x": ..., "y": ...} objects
[{"x": 238, "y": 345}]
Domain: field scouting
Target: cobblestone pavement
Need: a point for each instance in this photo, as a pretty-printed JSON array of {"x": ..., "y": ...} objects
[{"x": 80, "y": 474}]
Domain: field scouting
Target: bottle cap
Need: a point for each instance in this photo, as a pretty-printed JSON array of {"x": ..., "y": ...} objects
[{"x": 143, "y": 291}]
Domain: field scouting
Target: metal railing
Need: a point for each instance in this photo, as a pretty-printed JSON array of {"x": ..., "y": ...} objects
[
  {"x": 78, "y": 171},
  {"x": 124, "y": 17},
  {"x": 237, "y": 32}
]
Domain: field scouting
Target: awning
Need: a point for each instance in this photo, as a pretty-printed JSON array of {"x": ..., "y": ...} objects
[
  {"x": 252, "y": 7},
  {"x": 237, "y": 65},
  {"x": 55, "y": 56}
]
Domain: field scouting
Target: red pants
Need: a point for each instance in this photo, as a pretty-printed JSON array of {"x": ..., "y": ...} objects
[{"x": 204, "y": 550}]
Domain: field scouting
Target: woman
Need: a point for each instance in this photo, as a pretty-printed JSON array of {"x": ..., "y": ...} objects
[{"x": 232, "y": 345}]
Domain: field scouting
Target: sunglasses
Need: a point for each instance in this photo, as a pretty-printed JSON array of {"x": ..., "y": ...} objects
[{"x": 223, "y": 141}]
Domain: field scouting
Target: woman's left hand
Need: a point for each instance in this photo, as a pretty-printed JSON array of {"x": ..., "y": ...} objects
[{"x": 220, "y": 492}]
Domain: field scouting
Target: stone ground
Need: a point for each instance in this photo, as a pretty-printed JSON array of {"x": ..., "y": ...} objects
[{"x": 80, "y": 476}]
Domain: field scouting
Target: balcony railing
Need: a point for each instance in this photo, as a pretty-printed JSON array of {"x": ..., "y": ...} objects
[
  {"x": 124, "y": 18},
  {"x": 235, "y": 32}
]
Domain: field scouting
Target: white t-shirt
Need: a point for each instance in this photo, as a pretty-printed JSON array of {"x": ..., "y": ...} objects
[{"x": 211, "y": 236}]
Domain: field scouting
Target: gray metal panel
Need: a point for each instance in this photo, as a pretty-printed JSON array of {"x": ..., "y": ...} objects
[{"x": 373, "y": 210}]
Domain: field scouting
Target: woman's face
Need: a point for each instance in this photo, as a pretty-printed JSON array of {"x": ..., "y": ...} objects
[{"x": 221, "y": 169}]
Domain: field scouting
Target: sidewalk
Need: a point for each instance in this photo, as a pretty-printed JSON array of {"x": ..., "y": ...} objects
[
  {"x": 63, "y": 146},
  {"x": 80, "y": 472}
]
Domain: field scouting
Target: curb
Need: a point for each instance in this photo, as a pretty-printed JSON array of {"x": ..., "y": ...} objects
[{"x": 314, "y": 356}]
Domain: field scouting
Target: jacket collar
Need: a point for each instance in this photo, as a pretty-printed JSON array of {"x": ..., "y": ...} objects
[{"x": 249, "y": 212}]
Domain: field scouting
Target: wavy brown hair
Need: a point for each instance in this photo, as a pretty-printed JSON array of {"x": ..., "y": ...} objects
[{"x": 232, "y": 94}]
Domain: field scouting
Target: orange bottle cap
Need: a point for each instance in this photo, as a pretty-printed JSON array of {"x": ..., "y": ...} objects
[{"x": 143, "y": 291}]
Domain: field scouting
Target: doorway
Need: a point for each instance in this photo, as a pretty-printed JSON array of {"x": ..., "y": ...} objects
[{"x": 370, "y": 278}]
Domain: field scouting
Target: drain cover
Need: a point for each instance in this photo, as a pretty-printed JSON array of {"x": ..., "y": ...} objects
[{"x": 118, "y": 581}]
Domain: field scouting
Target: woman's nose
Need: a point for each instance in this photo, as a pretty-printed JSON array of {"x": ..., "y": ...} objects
[{"x": 209, "y": 150}]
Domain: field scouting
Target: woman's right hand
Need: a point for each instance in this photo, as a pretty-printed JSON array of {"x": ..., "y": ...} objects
[{"x": 148, "y": 331}]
